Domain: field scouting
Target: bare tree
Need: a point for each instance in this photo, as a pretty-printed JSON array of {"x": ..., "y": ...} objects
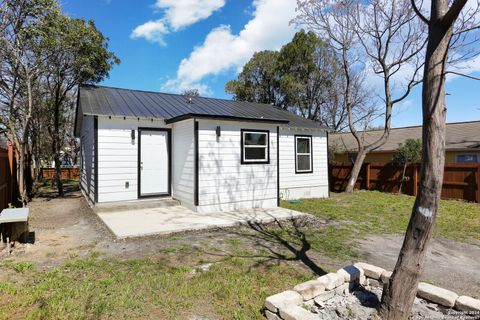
[
  {"x": 380, "y": 37},
  {"x": 448, "y": 29}
]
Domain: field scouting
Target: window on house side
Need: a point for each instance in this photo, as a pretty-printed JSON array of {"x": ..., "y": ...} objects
[
  {"x": 468, "y": 158},
  {"x": 255, "y": 146},
  {"x": 303, "y": 154}
]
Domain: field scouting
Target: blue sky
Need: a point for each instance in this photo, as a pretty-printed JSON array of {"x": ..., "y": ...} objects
[{"x": 170, "y": 45}]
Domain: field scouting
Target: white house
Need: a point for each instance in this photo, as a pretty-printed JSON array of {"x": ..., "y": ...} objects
[{"x": 209, "y": 154}]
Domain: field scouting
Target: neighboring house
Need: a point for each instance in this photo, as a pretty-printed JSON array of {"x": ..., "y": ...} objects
[
  {"x": 210, "y": 154},
  {"x": 462, "y": 143}
]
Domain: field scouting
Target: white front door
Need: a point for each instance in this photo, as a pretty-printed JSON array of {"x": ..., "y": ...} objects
[{"x": 154, "y": 162}]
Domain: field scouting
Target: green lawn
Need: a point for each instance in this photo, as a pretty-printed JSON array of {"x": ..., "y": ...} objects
[
  {"x": 251, "y": 264},
  {"x": 144, "y": 288},
  {"x": 372, "y": 212}
]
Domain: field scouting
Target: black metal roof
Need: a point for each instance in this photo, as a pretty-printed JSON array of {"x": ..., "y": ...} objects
[{"x": 108, "y": 101}]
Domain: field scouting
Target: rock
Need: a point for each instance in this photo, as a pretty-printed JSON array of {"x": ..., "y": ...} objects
[
  {"x": 465, "y": 303},
  {"x": 370, "y": 270},
  {"x": 324, "y": 296},
  {"x": 344, "y": 289},
  {"x": 385, "y": 277},
  {"x": 375, "y": 283},
  {"x": 435, "y": 294},
  {"x": 363, "y": 281},
  {"x": 331, "y": 280},
  {"x": 206, "y": 266},
  {"x": 279, "y": 300},
  {"x": 350, "y": 273},
  {"x": 271, "y": 316},
  {"x": 310, "y": 289},
  {"x": 293, "y": 312}
]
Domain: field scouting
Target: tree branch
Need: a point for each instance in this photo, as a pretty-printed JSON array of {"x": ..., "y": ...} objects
[
  {"x": 419, "y": 14},
  {"x": 453, "y": 12},
  {"x": 463, "y": 75}
]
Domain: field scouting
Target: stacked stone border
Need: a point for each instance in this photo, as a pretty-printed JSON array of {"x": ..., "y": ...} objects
[{"x": 287, "y": 305}]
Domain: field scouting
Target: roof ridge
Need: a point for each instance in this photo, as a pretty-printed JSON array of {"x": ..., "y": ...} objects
[
  {"x": 158, "y": 92},
  {"x": 410, "y": 127}
]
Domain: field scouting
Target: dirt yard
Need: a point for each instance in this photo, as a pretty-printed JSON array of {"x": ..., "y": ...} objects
[{"x": 67, "y": 228}]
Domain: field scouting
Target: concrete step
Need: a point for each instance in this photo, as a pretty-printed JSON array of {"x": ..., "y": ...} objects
[{"x": 135, "y": 204}]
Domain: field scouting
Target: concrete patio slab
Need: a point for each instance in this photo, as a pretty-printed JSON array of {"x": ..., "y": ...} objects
[{"x": 166, "y": 220}]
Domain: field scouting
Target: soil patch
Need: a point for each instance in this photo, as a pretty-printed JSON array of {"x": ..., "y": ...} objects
[{"x": 450, "y": 264}]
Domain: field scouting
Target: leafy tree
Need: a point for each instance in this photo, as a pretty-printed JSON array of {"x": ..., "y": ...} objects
[
  {"x": 77, "y": 52},
  {"x": 308, "y": 69},
  {"x": 305, "y": 77},
  {"x": 258, "y": 81},
  {"x": 408, "y": 152},
  {"x": 21, "y": 63},
  {"x": 44, "y": 55}
]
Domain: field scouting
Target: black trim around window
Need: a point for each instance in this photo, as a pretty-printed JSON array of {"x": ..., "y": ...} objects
[
  {"x": 139, "y": 160},
  {"x": 311, "y": 153},
  {"x": 267, "y": 161}
]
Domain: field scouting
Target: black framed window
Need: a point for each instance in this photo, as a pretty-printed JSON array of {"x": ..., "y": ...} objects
[
  {"x": 255, "y": 146},
  {"x": 468, "y": 158},
  {"x": 303, "y": 154}
]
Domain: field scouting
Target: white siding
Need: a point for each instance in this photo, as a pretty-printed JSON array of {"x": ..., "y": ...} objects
[
  {"x": 226, "y": 184},
  {"x": 117, "y": 157},
  {"x": 183, "y": 162},
  {"x": 303, "y": 185},
  {"x": 87, "y": 151}
]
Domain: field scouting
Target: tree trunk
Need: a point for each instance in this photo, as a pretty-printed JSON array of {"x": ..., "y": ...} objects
[
  {"x": 357, "y": 166},
  {"x": 403, "y": 177},
  {"x": 56, "y": 146},
  {"x": 399, "y": 293},
  {"x": 22, "y": 190}
]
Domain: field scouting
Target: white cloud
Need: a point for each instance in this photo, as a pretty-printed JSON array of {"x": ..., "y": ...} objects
[
  {"x": 178, "y": 86},
  {"x": 182, "y": 13},
  {"x": 153, "y": 31},
  {"x": 177, "y": 14},
  {"x": 222, "y": 50}
]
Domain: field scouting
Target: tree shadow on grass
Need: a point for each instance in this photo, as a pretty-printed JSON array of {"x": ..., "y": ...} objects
[
  {"x": 278, "y": 241},
  {"x": 70, "y": 189}
]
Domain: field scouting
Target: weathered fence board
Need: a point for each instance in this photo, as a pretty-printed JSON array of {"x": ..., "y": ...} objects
[{"x": 460, "y": 180}]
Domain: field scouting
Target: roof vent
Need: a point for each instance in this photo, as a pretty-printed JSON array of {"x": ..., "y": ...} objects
[{"x": 189, "y": 101}]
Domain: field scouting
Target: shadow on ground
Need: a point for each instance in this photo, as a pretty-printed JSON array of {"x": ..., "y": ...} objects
[{"x": 275, "y": 242}]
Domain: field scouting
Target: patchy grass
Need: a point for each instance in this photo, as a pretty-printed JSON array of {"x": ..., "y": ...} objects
[
  {"x": 146, "y": 288},
  {"x": 249, "y": 264},
  {"x": 370, "y": 212},
  {"x": 19, "y": 267}
]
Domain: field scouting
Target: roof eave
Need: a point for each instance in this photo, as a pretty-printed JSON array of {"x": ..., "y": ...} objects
[{"x": 222, "y": 117}]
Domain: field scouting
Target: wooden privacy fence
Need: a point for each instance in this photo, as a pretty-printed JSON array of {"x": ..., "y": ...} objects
[
  {"x": 66, "y": 173},
  {"x": 460, "y": 180},
  {"x": 7, "y": 177}
]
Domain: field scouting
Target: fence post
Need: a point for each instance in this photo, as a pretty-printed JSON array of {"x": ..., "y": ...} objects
[
  {"x": 415, "y": 179},
  {"x": 477, "y": 180},
  {"x": 367, "y": 176}
]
